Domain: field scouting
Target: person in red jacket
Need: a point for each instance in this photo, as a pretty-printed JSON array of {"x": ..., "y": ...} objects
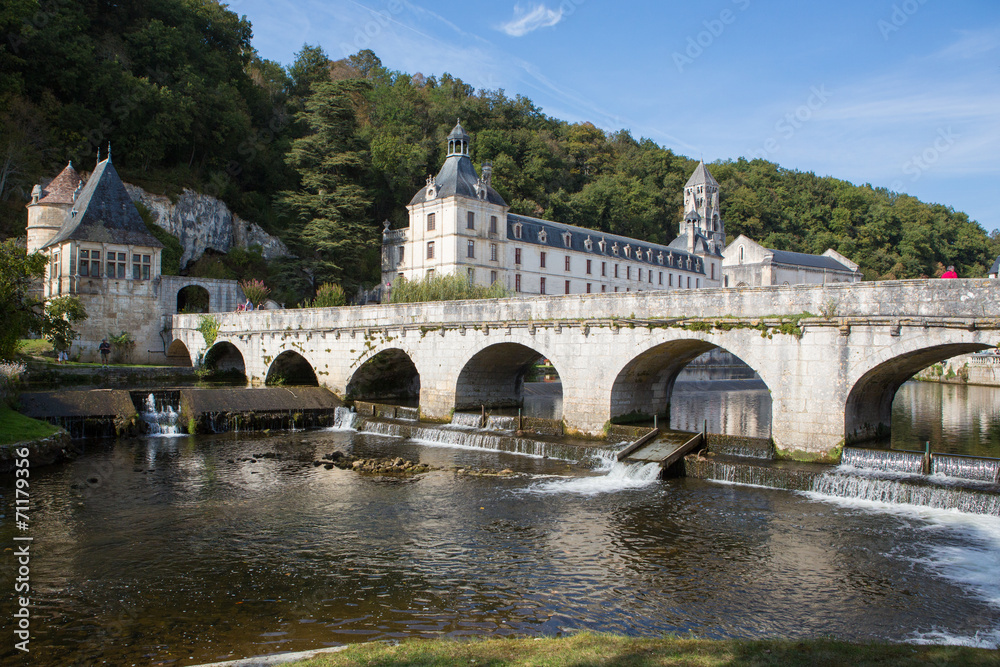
[{"x": 950, "y": 273}]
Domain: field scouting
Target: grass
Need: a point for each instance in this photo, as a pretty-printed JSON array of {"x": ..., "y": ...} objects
[
  {"x": 35, "y": 347},
  {"x": 15, "y": 427},
  {"x": 593, "y": 649}
]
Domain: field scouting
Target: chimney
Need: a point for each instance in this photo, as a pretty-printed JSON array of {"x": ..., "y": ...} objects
[{"x": 488, "y": 173}]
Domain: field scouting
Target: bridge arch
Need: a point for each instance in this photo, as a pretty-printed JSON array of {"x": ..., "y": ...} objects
[
  {"x": 193, "y": 299},
  {"x": 225, "y": 357},
  {"x": 494, "y": 376},
  {"x": 291, "y": 368},
  {"x": 868, "y": 411},
  {"x": 388, "y": 375},
  {"x": 645, "y": 384},
  {"x": 178, "y": 354}
]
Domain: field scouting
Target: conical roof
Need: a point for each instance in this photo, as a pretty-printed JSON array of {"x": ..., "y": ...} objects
[
  {"x": 104, "y": 213},
  {"x": 458, "y": 133},
  {"x": 701, "y": 176},
  {"x": 62, "y": 187}
]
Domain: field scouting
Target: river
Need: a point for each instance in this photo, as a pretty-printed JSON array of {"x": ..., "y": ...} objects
[{"x": 190, "y": 549}]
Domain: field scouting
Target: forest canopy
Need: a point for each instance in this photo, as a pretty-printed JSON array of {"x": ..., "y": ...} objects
[{"x": 322, "y": 151}]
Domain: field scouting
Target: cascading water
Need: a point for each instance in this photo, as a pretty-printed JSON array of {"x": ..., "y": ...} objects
[
  {"x": 343, "y": 419},
  {"x": 967, "y": 467},
  {"x": 883, "y": 460},
  {"x": 493, "y": 422},
  {"x": 617, "y": 476},
  {"x": 161, "y": 417}
]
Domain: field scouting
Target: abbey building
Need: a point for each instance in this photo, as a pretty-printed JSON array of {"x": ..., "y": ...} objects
[{"x": 459, "y": 224}]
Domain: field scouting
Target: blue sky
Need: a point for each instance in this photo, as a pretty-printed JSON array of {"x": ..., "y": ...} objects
[{"x": 897, "y": 93}]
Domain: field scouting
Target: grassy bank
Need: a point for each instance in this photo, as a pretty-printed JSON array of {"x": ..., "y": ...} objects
[
  {"x": 15, "y": 427},
  {"x": 590, "y": 649}
]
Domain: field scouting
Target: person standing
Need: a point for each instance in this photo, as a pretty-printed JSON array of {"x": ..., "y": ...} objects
[
  {"x": 950, "y": 273},
  {"x": 105, "y": 350}
]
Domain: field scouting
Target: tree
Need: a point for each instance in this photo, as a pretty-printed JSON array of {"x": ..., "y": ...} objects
[
  {"x": 61, "y": 313},
  {"x": 331, "y": 230},
  {"x": 20, "y": 311}
]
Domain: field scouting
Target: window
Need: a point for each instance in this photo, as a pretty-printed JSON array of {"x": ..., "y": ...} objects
[
  {"x": 55, "y": 270},
  {"x": 616, "y": 288},
  {"x": 517, "y": 255},
  {"x": 430, "y": 250},
  {"x": 470, "y": 250},
  {"x": 567, "y": 287},
  {"x": 567, "y": 262},
  {"x": 640, "y": 274},
  {"x": 470, "y": 220},
  {"x": 543, "y": 236},
  {"x": 493, "y": 224},
  {"x": 517, "y": 230},
  {"x": 116, "y": 269},
  {"x": 140, "y": 267},
  {"x": 517, "y": 282},
  {"x": 588, "y": 244},
  {"x": 604, "y": 288},
  {"x": 136, "y": 266},
  {"x": 430, "y": 222},
  {"x": 567, "y": 239},
  {"x": 616, "y": 270},
  {"x": 588, "y": 288},
  {"x": 712, "y": 264},
  {"x": 697, "y": 283},
  {"x": 493, "y": 252},
  {"x": 542, "y": 260},
  {"x": 95, "y": 263},
  {"x": 588, "y": 267},
  {"x": 401, "y": 249},
  {"x": 661, "y": 277},
  {"x": 628, "y": 273},
  {"x": 649, "y": 277},
  {"x": 84, "y": 262},
  {"x": 541, "y": 286},
  {"x": 604, "y": 268},
  {"x": 670, "y": 279},
  {"x": 493, "y": 277},
  {"x": 689, "y": 282}
]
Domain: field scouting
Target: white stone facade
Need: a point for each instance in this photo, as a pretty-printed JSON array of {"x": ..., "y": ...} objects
[
  {"x": 458, "y": 224},
  {"x": 746, "y": 263}
]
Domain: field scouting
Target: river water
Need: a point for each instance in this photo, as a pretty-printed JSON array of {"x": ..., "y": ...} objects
[{"x": 183, "y": 550}]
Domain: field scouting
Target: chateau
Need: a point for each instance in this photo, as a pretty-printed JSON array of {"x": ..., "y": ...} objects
[
  {"x": 459, "y": 224},
  {"x": 99, "y": 250}
]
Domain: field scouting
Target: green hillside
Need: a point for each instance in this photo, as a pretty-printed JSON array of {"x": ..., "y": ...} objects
[{"x": 321, "y": 152}]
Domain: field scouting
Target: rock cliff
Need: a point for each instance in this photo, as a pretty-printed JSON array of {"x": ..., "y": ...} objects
[{"x": 202, "y": 222}]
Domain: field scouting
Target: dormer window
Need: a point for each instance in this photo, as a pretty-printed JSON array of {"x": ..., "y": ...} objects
[
  {"x": 628, "y": 250},
  {"x": 670, "y": 259},
  {"x": 649, "y": 254},
  {"x": 588, "y": 244},
  {"x": 567, "y": 239},
  {"x": 543, "y": 236},
  {"x": 603, "y": 245},
  {"x": 614, "y": 248},
  {"x": 517, "y": 230},
  {"x": 431, "y": 187},
  {"x": 659, "y": 258}
]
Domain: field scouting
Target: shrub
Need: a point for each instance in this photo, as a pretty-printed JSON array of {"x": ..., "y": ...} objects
[
  {"x": 329, "y": 295},
  {"x": 448, "y": 287},
  {"x": 10, "y": 381},
  {"x": 122, "y": 345},
  {"x": 255, "y": 290},
  {"x": 208, "y": 325}
]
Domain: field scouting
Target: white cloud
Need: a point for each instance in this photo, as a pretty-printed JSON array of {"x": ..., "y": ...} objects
[{"x": 526, "y": 21}]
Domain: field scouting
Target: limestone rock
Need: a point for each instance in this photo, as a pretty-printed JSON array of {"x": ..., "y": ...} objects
[{"x": 202, "y": 222}]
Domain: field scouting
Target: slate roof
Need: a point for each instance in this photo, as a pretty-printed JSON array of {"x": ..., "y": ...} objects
[
  {"x": 804, "y": 259},
  {"x": 700, "y": 244},
  {"x": 60, "y": 190},
  {"x": 458, "y": 177},
  {"x": 701, "y": 176},
  {"x": 104, "y": 213},
  {"x": 554, "y": 239},
  {"x": 995, "y": 270},
  {"x": 458, "y": 133}
]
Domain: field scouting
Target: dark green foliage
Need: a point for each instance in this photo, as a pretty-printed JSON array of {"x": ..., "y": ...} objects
[
  {"x": 20, "y": 312},
  {"x": 170, "y": 259},
  {"x": 321, "y": 153}
]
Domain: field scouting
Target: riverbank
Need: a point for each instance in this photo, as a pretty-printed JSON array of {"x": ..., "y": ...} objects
[
  {"x": 46, "y": 443},
  {"x": 603, "y": 649}
]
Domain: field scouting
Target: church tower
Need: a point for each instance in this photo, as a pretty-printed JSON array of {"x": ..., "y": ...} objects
[
  {"x": 701, "y": 207},
  {"x": 49, "y": 206}
]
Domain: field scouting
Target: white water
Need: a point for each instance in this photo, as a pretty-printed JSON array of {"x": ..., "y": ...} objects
[
  {"x": 617, "y": 477},
  {"x": 161, "y": 422},
  {"x": 343, "y": 420},
  {"x": 971, "y": 560}
]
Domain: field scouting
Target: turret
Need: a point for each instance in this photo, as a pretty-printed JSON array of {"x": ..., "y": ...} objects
[{"x": 49, "y": 206}]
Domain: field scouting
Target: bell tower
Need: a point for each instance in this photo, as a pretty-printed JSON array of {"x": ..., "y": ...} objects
[{"x": 701, "y": 206}]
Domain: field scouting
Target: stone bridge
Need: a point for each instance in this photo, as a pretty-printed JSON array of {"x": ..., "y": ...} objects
[{"x": 831, "y": 355}]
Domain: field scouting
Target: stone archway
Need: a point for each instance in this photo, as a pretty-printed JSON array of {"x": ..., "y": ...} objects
[
  {"x": 225, "y": 358},
  {"x": 291, "y": 368},
  {"x": 868, "y": 411},
  {"x": 178, "y": 354},
  {"x": 193, "y": 299},
  {"x": 495, "y": 377},
  {"x": 388, "y": 375}
]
